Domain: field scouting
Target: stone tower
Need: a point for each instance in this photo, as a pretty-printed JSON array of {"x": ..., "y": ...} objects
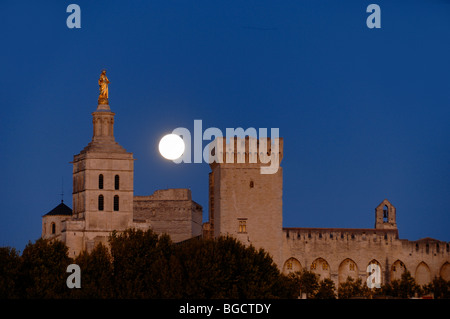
[
  {"x": 245, "y": 201},
  {"x": 102, "y": 186}
]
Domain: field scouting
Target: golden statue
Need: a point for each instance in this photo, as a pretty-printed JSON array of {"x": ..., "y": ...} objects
[{"x": 103, "y": 84}]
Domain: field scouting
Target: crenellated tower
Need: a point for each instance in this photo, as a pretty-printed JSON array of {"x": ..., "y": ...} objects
[{"x": 245, "y": 192}]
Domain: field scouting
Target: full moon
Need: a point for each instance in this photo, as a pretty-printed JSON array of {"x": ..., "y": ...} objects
[{"x": 171, "y": 146}]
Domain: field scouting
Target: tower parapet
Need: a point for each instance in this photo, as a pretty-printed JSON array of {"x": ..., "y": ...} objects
[{"x": 266, "y": 153}]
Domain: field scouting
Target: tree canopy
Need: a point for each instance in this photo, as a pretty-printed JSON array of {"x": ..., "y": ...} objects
[{"x": 141, "y": 264}]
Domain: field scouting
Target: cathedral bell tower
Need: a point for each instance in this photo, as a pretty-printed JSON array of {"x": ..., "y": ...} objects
[{"x": 102, "y": 182}]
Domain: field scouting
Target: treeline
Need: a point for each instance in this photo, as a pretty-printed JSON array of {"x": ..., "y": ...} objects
[{"x": 141, "y": 264}]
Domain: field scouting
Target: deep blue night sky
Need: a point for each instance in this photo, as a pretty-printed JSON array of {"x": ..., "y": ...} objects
[{"x": 364, "y": 113}]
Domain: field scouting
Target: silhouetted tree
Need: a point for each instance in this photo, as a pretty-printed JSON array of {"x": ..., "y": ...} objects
[
  {"x": 286, "y": 287},
  {"x": 439, "y": 287},
  {"x": 326, "y": 290},
  {"x": 406, "y": 287},
  {"x": 307, "y": 281},
  {"x": 138, "y": 258},
  {"x": 225, "y": 268},
  {"x": 97, "y": 274},
  {"x": 9, "y": 272},
  {"x": 43, "y": 270},
  {"x": 354, "y": 288}
]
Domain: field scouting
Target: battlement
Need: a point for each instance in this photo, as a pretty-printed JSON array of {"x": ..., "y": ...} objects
[
  {"x": 427, "y": 246},
  {"x": 343, "y": 234},
  {"x": 248, "y": 150},
  {"x": 167, "y": 194},
  {"x": 422, "y": 246}
]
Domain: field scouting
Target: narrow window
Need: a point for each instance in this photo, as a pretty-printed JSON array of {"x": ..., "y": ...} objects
[
  {"x": 385, "y": 214},
  {"x": 242, "y": 226},
  {"x": 116, "y": 182},
  {"x": 53, "y": 228},
  {"x": 100, "y": 181},
  {"x": 101, "y": 202},
  {"x": 289, "y": 265},
  {"x": 116, "y": 203},
  {"x": 251, "y": 184}
]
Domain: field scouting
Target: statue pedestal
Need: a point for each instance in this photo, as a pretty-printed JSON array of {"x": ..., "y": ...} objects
[{"x": 103, "y": 104}]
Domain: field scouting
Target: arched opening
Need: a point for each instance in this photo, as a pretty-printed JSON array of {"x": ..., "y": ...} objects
[
  {"x": 100, "y": 181},
  {"x": 397, "y": 269},
  {"x": 291, "y": 265},
  {"x": 53, "y": 228},
  {"x": 116, "y": 203},
  {"x": 101, "y": 202},
  {"x": 385, "y": 214},
  {"x": 347, "y": 268},
  {"x": 374, "y": 274},
  {"x": 423, "y": 275},
  {"x": 321, "y": 267},
  {"x": 116, "y": 182},
  {"x": 445, "y": 271}
]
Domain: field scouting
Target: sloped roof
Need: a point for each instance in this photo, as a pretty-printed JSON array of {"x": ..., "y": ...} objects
[{"x": 60, "y": 210}]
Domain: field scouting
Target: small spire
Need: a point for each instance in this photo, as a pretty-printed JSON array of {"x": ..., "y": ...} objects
[{"x": 62, "y": 190}]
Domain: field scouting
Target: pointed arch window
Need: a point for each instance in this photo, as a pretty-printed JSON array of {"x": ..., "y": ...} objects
[
  {"x": 385, "y": 214},
  {"x": 116, "y": 182},
  {"x": 116, "y": 203},
  {"x": 100, "y": 181},
  {"x": 101, "y": 202}
]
